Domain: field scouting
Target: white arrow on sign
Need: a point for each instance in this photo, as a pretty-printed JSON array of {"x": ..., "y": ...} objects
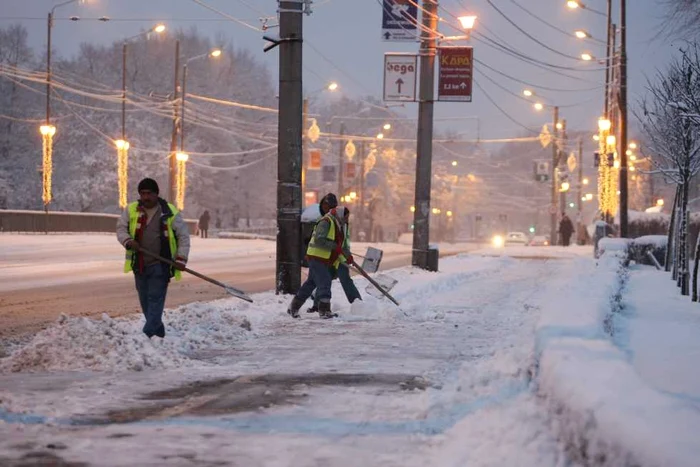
[{"x": 400, "y": 76}]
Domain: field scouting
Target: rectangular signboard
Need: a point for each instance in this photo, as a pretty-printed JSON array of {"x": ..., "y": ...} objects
[
  {"x": 456, "y": 71},
  {"x": 400, "y": 76},
  {"x": 399, "y": 20}
]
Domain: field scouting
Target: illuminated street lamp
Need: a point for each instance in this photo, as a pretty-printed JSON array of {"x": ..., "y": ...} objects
[
  {"x": 332, "y": 86},
  {"x": 387, "y": 126},
  {"x": 633, "y": 145},
  {"x": 380, "y": 136},
  {"x": 538, "y": 106},
  {"x": 454, "y": 163},
  {"x": 527, "y": 93},
  {"x": 581, "y": 34},
  {"x": 573, "y": 4},
  {"x": 660, "y": 202},
  {"x": 586, "y": 181},
  {"x": 586, "y": 57},
  {"x": 214, "y": 53}
]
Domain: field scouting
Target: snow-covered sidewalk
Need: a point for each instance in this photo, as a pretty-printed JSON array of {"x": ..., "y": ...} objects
[{"x": 543, "y": 360}]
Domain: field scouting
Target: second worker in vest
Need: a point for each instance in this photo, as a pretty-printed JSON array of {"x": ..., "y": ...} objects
[
  {"x": 325, "y": 254},
  {"x": 153, "y": 224}
]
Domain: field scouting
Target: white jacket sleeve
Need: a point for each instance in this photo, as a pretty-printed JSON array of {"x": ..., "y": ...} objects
[
  {"x": 182, "y": 234},
  {"x": 123, "y": 227}
]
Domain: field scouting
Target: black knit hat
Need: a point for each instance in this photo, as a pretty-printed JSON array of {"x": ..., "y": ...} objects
[
  {"x": 331, "y": 199},
  {"x": 149, "y": 184}
]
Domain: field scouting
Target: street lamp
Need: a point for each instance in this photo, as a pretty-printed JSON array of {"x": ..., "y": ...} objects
[
  {"x": 538, "y": 106},
  {"x": 467, "y": 22},
  {"x": 573, "y": 4},
  {"x": 454, "y": 163},
  {"x": 214, "y": 53},
  {"x": 586, "y": 181},
  {"x": 586, "y": 57},
  {"x": 582, "y": 34},
  {"x": 387, "y": 126},
  {"x": 527, "y": 93},
  {"x": 332, "y": 86},
  {"x": 380, "y": 136}
]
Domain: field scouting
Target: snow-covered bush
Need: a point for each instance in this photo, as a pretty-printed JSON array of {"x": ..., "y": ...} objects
[{"x": 640, "y": 247}]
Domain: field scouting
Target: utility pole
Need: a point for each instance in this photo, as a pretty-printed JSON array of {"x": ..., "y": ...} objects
[
  {"x": 289, "y": 153},
  {"x": 341, "y": 159},
  {"x": 173, "y": 141},
  {"x": 608, "y": 52},
  {"x": 361, "y": 210},
  {"x": 424, "y": 149},
  {"x": 305, "y": 149},
  {"x": 579, "y": 200},
  {"x": 562, "y": 166},
  {"x": 48, "y": 70},
  {"x": 124, "y": 91},
  {"x": 182, "y": 108},
  {"x": 553, "y": 170},
  {"x": 623, "y": 121}
]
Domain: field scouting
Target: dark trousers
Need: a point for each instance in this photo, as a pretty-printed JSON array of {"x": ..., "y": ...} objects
[
  {"x": 320, "y": 278},
  {"x": 204, "y": 233},
  {"x": 351, "y": 292},
  {"x": 152, "y": 286}
]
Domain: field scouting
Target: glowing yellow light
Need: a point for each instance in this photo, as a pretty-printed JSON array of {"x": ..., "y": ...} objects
[
  {"x": 215, "y": 53},
  {"x": 350, "y": 150},
  {"x": 454, "y": 163},
  {"x": 159, "y": 28},
  {"x": 632, "y": 169},
  {"x": 596, "y": 138},
  {"x": 660, "y": 202},
  {"x": 122, "y": 170},
  {"x": 467, "y": 22},
  {"x": 589, "y": 196},
  {"x": 332, "y": 86},
  {"x": 604, "y": 124},
  {"x": 611, "y": 140},
  {"x": 538, "y": 106},
  {"x": 586, "y": 181},
  {"x": 527, "y": 93},
  {"x": 436, "y": 210},
  {"x": 633, "y": 145},
  {"x": 628, "y": 152},
  {"x": 559, "y": 125},
  {"x": 633, "y": 157},
  {"x": 387, "y": 126},
  {"x": 583, "y": 198},
  {"x": 616, "y": 164},
  {"x": 380, "y": 136},
  {"x": 314, "y": 132},
  {"x": 448, "y": 213},
  {"x": 581, "y": 34},
  {"x": 497, "y": 241},
  {"x": 353, "y": 195},
  {"x": 573, "y": 4},
  {"x": 181, "y": 179},
  {"x": 47, "y": 132},
  {"x": 586, "y": 56},
  {"x": 565, "y": 186},
  {"x": 412, "y": 209}
]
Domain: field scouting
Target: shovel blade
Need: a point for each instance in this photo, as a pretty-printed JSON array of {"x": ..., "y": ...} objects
[
  {"x": 238, "y": 294},
  {"x": 385, "y": 282}
]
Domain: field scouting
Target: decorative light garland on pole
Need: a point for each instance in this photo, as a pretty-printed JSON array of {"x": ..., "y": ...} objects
[
  {"x": 122, "y": 169},
  {"x": 181, "y": 179},
  {"x": 47, "y": 132}
]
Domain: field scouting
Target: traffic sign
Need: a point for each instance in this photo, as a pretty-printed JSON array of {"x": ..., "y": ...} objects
[
  {"x": 456, "y": 71},
  {"x": 399, "y": 20},
  {"x": 400, "y": 71}
]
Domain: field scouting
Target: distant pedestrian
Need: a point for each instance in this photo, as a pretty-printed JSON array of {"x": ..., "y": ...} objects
[
  {"x": 566, "y": 229},
  {"x": 204, "y": 224},
  {"x": 154, "y": 225}
]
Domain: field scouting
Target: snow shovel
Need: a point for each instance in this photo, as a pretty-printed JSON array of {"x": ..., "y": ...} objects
[
  {"x": 375, "y": 283},
  {"x": 230, "y": 290}
]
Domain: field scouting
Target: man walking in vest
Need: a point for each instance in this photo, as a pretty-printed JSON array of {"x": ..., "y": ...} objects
[
  {"x": 325, "y": 253},
  {"x": 154, "y": 225}
]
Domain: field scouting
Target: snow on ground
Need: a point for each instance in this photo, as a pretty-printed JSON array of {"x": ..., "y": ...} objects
[
  {"x": 520, "y": 356},
  {"x": 619, "y": 360},
  {"x": 442, "y": 380}
]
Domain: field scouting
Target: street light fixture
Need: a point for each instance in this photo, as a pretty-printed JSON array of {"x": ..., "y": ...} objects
[
  {"x": 586, "y": 57},
  {"x": 573, "y": 4},
  {"x": 467, "y": 22},
  {"x": 387, "y": 126},
  {"x": 538, "y": 106},
  {"x": 214, "y": 53},
  {"x": 582, "y": 34},
  {"x": 454, "y": 163},
  {"x": 332, "y": 86},
  {"x": 527, "y": 93},
  {"x": 380, "y": 136},
  {"x": 586, "y": 181}
]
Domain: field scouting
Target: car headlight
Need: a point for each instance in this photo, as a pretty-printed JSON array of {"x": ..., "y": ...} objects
[{"x": 497, "y": 241}]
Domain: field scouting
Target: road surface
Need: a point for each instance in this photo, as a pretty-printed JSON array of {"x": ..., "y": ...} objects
[{"x": 81, "y": 275}]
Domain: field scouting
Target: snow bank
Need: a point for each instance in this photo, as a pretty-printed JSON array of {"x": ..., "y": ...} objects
[
  {"x": 107, "y": 344},
  {"x": 658, "y": 241},
  {"x": 610, "y": 416}
]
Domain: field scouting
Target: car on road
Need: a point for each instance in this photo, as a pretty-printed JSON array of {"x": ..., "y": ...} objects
[
  {"x": 516, "y": 238},
  {"x": 539, "y": 240}
]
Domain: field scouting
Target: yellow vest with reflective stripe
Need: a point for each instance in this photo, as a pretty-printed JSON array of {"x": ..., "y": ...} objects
[
  {"x": 317, "y": 251},
  {"x": 133, "y": 222}
]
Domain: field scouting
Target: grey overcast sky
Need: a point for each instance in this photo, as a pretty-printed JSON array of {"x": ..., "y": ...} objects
[{"x": 347, "y": 33}]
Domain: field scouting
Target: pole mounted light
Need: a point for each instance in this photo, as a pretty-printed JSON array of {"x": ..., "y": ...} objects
[
  {"x": 538, "y": 106},
  {"x": 586, "y": 57},
  {"x": 528, "y": 93},
  {"x": 47, "y": 132},
  {"x": 122, "y": 170},
  {"x": 582, "y": 34}
]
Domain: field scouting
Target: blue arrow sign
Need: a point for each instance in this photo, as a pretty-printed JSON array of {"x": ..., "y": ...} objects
[{"x": 399, "y": 20}]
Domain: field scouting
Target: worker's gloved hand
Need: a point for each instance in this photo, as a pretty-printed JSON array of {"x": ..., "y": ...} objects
[
  {"x": 180, "y": 264},
  {"x": 350, "y": 259},
  {"x": 132, "y": 245}
]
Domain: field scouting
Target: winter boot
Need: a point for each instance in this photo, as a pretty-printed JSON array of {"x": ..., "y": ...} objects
[
  {"x": 293, "y": 309},
  {"x": 313, "y": 309},
  {"x": 324, "y": 310}
]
